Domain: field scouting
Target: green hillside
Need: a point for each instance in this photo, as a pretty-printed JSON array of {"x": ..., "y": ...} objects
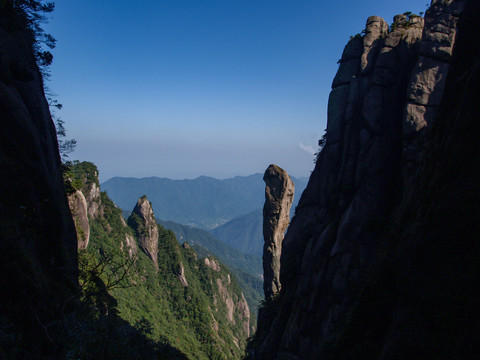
[
  {"x": 246, "y": 267},
  {"x": 248, "y": 263},
  {"x": 186, "y": 304}
]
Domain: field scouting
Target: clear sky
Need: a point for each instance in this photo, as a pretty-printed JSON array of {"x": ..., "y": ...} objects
[{"x": 183, "y": 88}]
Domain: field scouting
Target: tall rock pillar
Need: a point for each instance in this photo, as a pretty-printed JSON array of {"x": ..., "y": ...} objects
[{"x": 279, "y": 190}]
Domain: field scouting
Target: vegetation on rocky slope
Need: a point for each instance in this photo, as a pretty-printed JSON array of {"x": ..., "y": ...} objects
[{"x": 204, "y": 316}]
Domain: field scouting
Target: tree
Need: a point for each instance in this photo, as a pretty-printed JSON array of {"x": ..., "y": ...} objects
[{"x": 33, "y": 14}]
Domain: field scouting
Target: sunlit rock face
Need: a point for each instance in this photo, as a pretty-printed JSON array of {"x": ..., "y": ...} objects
[
  {"x": 79, "y": 209},
  {"x": 427, "y": 81},
  {"x": 92, "y": 195},
  {"x": 143, "y": 222},
  {"x": 279, "y": 191},
  {"x": 212, "y": 264},
  {"x": 130, "y": 244},
  {"x": 180, "y": 272},
  {"x": 382, "y": 110}
]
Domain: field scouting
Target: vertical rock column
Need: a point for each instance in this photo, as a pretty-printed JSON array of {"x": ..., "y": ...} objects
[
  {"x": 427, "y": 81},
  {"x": 78, "y": 207},
  {"x": 279, "y": 190}
]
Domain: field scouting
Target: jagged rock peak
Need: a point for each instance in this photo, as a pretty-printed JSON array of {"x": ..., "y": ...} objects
[
  {"x": 279, "y": 191},
  {"x": 143, "y": 222}
]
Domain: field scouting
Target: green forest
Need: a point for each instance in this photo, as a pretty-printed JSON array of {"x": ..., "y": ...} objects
[{"x": 193, "y": 320}]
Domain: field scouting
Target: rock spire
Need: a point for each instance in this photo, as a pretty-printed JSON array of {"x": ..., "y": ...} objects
[
  {"x": 143, "y": 222},
  {"x": 279, "y": 190}
]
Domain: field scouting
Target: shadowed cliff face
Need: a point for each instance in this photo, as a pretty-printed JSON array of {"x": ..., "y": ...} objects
[
  {"x": 383, "y": 108},
  {"x": 38, "y": 250}
]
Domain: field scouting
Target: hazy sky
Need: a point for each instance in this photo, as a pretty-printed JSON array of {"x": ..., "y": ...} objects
[{"x": 183, "y": 88}]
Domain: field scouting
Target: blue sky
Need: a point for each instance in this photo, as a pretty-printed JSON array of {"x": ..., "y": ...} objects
[{"x": 183, "y": 88}]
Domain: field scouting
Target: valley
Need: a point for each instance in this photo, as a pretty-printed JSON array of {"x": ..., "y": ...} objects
[{"x": 375, "y": 256}]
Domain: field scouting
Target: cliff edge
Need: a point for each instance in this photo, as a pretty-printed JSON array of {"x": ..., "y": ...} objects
[{"x": 38, "y": 249}]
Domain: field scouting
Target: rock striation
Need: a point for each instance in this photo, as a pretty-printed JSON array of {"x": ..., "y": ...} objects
[
  {"x": 427, "y": 80},
  {"x": 78, "y": 207},
  {"x": 130, "y": 244},
  {"x": 279, "y": 191},
  {"x": 385, "y": 101},
  {"x": 142, "y": 220},
  {"x": 180, "y": 272}
]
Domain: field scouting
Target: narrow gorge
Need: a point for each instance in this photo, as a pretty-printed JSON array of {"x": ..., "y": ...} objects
[{"x": 380, "y": 261}]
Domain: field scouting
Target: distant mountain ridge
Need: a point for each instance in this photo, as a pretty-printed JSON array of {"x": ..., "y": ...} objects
[
  {"x": 244, "y": 233},
  {"x": 203, "y": 202}
]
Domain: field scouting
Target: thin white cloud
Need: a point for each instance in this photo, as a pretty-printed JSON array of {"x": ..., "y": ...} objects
[{"x": 307, "y": 148}]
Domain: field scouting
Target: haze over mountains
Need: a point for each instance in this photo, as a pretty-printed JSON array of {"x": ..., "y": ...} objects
[
  {"x": 222, "y": 218},
  {"x": 244, "y": 233},
  {"x": 204, "y": 202}
]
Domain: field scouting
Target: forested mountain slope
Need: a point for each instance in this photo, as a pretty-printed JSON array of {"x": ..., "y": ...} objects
[{"x": 174, "y": 297}]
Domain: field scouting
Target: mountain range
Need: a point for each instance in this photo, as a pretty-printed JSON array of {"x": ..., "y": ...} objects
[
  {"x": 381, "y": 260},
  {"x": 204, "y": 202}
]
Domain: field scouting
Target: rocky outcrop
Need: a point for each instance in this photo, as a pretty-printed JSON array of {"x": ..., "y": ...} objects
[
  {"x": 180, "y": 272},
  {"x": 130, "y": 244},
  {"x": 279, "y": 190},
  {"x": 237, "y": 309},
  {"x": 38, "y": 247},
  {"x": 244, "y": 311},
  {"x": 375, "y": 146},
  {"x": 78, "y": 207},
  {"x": 142, "y": 220},
  {"x": 227, "y": 298},
  {"x": 212, "y": 264},
  {"x": 93, "y": 199}
]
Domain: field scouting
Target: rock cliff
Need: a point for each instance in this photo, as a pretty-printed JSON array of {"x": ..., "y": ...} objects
[
  {"x": 279, "y": 191},
  {"x": 361, "y": 273},
  {"x": 38, "y": 255},
  {"x": 79, "y": 209}
]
